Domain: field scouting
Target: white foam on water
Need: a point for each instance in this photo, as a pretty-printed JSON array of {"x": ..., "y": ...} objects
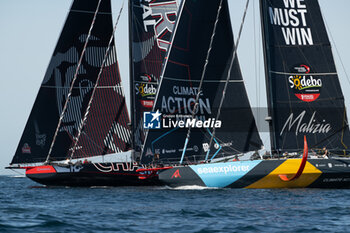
[
  {"x": 16, "y": 176},
  {"x": 192, "y": 187}
]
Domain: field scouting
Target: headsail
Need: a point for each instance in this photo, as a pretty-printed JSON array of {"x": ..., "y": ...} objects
[
  {"x": 236, "y": 130},
  {"x": 106, "y": 130},
  {"x": 304, "y": 94},
  {"x": 152, "y": 24}
]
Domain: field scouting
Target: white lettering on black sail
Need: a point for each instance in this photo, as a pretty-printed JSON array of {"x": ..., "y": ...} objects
[
  {"x": 301, "y": 126},
  {"x": 292, "y": 22}
]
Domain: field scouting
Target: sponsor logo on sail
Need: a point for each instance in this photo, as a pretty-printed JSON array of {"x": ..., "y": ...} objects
[
  {"x": 40, "y": 140},
  {"x": 147, "y": 103},
  {"x": 149, "y": 152},
  {"x": 225, "y": 144},
  {"x": 26, "y": 149},
  {"x": 145, "y": 89},
  {"x": 299, "y": 125},
  {"x": 182, "y": 100},
  {"x": 195, "y": 148},
  {"x": 148, "y": 77},
  {"x": 168, "y": 151},
  {"x": 305, "y": 87}
]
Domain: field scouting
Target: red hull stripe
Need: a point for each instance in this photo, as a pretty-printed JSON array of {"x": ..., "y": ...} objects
[{"x": 40, "y": 170}]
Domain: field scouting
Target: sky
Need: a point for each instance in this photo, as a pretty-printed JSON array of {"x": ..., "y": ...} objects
[{"x": 29, "y": 31}]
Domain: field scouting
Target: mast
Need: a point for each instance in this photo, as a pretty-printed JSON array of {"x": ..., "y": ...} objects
[
  {"x": 269, "y": 118},
  {"x": 150, "y": 28},
  {"x": 131, "y": 78}
]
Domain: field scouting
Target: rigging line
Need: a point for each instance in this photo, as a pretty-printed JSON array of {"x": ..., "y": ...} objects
[
  {"x": 219, "y": 146},
  {"x": 336, "y": 48},
  {"x": 255, "y": 61},
  {"x": 299, "y": 74},
  {"x": 228, "y": 76},
  {"x": 326, "y": 138},
  {"x": 73, "y": 81},
  {"x": 91, "y": 12},
  {"x": 259, "y": 51},
  {"x": 221, "y": 141},
  {"x": 201, "y": 82},
  {"x": 15, "y": 171},
  {"x": 162, "y": 136},
  {"x": 342, "y": 134},
  {"x": 206, "y": 81},
  {"x": 76, "y": 139}
]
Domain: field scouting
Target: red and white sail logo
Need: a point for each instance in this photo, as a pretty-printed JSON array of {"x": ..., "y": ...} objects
[
  {"x": 26, "y": 149},
  {"x": 305, "y": 86}
]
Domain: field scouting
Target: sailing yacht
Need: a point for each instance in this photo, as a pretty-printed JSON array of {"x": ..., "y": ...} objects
[
  {"x": 202, "y": 83},
  {"x": 80, "y": 112}
]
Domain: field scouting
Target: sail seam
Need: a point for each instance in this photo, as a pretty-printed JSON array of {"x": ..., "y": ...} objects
[
  {"x": 91, "y": 12},
  {"x": 206, "y": 81},
  {"x": 100, "y": 87},
  {"x": 310, "y": 74}
]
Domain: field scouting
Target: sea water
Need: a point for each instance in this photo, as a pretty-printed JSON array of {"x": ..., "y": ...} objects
[{"x": 28, "y": 207}]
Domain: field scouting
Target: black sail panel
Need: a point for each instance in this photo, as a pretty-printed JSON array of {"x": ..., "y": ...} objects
[
  {"x": 152, "y": 24},
  {"x": 305, "y": 97},
  {"x": 106, "y": 129},
  {"x": 43, "y": 120},
  {"x": 179, "y": 86}
]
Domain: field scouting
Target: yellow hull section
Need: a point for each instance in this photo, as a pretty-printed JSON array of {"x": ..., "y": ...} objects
[{"x": 289, "y": 168}]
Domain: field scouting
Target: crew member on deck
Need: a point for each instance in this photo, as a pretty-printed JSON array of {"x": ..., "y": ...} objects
[
  {"x": 255, "y": 156},
  {"x": 324, "y": 153},
  {"x": 155, "y": 159}
]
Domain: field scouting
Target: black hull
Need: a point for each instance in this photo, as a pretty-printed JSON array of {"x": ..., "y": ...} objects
[
  {"x": 87, "y": 175},
  {"x": 88, "y": 180}
]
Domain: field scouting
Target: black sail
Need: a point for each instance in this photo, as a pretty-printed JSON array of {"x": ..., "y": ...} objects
[
  {"x": 304, "y": 94},
  {"x": 180, "y": 82},
  {"x": 106, "y": 129},
  {"x": 152, "y": 24}
]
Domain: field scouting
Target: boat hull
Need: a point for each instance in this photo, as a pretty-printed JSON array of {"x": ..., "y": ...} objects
[
  {"x": 318, "y": 173},
  {"x": 87, "y": 175}
]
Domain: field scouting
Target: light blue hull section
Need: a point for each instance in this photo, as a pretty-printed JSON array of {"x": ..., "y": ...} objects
[{"x": 223, "y": 174}]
